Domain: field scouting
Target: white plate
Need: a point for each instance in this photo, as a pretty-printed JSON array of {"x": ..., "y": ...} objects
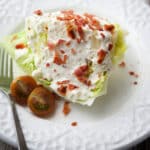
[{"x": 118, "y": 119}]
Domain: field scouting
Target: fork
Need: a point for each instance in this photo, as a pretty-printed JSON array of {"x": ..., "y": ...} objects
[{"x": 6, "y": 77}]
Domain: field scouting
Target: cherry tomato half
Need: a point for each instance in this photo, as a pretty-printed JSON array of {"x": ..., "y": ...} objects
[
  {"x": 21, "y": 88},
  {"x": 41, "y": 102}
]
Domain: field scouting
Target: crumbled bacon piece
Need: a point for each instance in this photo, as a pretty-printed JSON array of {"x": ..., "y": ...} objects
[
  {"x": 133, "y": 74},
  {"x": 58, "y": 60},
  {"x": 63, "y": 82},
  {"x": 60, "y": 42},
  {"x": 47, "y": 64},
  {"x": 81, "y": 33},
  {"x": 46, "y": 27},
  {"x": 79, "y": 40},
  {"x": 68, "y": 43},
  {"x": 51, "y": 46},
  {"x": 82, "y": 74},
  {"x": 74, "y": 123},
  {"x": 66, "y": 108},
  {"x": 65, "y": 18},
  {"x": 122, "y": 64},
  {"x": 38, "y": 12},
  {"x": 62, "y": 51},
  {"x": 81, "y": 71},
  {"x": 67, "y": 11},
  {"x": 65, "y": 59},
  {"x": 80, "y": 21},
  {"x": 90, "y": 16},
  {"x": 110, "y": 46},
  {"x": 72, "y": 87},
  {"x": 93, "y": 23},
  {"x": 103, "y": 36},
  {"x": 71, "y": 31},
  {"x": 109, "y": 27},
  {"x": 62, "y": 89},
  {"x": 20, "y": 46},
  {"x": 96, "y": 24},
  {"x": 73, "y": 51},
  {"x": 135, "y": 82},
  {"x": 101, "y": 56},
  {"x": 84, "y": 80}
]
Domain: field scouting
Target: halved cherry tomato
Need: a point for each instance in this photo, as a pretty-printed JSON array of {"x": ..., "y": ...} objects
[
  {"x": 41, "y": 102},
  {"x": 21, "y": 88}
]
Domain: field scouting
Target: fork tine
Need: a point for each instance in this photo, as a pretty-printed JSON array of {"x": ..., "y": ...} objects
[
  {"x": 11, "y": 68},
  {"x": 5, "y": 64},
  {"x": 1, "y": 62}
]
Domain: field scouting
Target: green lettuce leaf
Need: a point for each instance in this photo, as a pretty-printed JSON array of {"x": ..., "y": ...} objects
[
  {"x": 25, "y": 61},
  {"x": 120, "y": 46}
]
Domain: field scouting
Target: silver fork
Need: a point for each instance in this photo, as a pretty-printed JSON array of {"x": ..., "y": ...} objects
[{"x": 6, "y": 76}]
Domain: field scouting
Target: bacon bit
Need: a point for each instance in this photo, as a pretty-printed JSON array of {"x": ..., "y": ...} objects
[
  {"x": 122, "y": 64},
  {"x": 71, "y": 32},
  {"x": 14, "y": 38},
  {"x": 96, "y": 24},
  {"x": 79, "y": 21},
  {"x": 62, "y": 90},
  {"x": 46, "y": 28},
  {"x": 66, "y": 18},
  {"x": 62, "y": 51},
  {"x": 57, "y": 59},
  {"x": 20, "y": 46},
  {"x": 92, "y": 22},
  {"x": 73, "y": 51},
  {"x": 110, "y": 46},
  {"x": 67, "y": 11},
  {"x": 79, "y": 40},
  {"x": 68, "y": 15},
  {"x": 135, "y": 82},
  {"x": 63, "y": 82},
  {"x": 38, "y": 12},
  {"x": 109, "y": 28},
  {"x": 81, "y": 33},
  {"x": 68, "y": 43},
  {"x": 72, "y": 87},
  {"x": 101, "y": 56},
  {"x": 51, "y": 46},
  {"x": 60, "y": 42},
  {"x": 81, "y": 71},
  {"x": 55, "y": 70},
  {"x": 82, "y": 74},
  {"x": 74, "y": 124},
  {"x": 47, "y": 64},
  {"x": 84, "y": 80},
  {"x": 133, "y": 74},
  {"x": 65, "y": 59},
  {"x": 103, "y": 36},
  {"x": 90, "y": 16},
  {"x": 66, "y": 108}
]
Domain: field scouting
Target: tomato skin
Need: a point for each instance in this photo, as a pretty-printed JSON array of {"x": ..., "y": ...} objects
[
  {"x": 21, "y": 88},
  {"x": 41, "y": 102}
]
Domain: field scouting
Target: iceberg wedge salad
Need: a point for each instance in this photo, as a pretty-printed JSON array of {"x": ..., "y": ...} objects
[{"x": 70, "y": 53}]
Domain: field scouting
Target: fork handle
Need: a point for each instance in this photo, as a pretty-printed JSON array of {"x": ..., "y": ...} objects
[{"x": 20, "y": 137}]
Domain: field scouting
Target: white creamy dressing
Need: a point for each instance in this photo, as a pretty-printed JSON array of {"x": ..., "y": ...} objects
[{"x": 88, "y": 49}]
